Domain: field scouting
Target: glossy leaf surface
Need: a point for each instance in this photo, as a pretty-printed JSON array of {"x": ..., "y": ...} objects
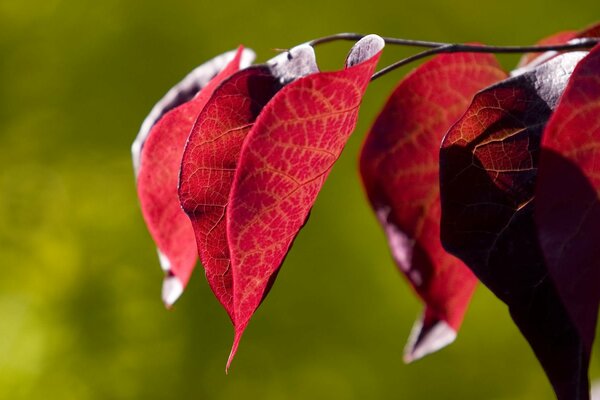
[{"x": 399, "y": 168}]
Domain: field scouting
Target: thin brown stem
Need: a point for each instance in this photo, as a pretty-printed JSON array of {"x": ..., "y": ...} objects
[
  {"x": 439, "y": 47},
  {"x": 578, "y": 44},
  {"x": 408, "y": 60},
  {"x": 388, "y": 40},
  {"x": 458, "y": 47}
]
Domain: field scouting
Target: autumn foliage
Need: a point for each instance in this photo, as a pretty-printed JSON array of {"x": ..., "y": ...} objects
[{"x": 474, "y": 173}]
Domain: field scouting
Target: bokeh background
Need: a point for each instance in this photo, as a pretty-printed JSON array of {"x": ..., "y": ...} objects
[{"x": 80, "y": 310}]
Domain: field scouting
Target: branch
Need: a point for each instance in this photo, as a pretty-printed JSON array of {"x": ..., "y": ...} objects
[{"x": 439, "y": 47}]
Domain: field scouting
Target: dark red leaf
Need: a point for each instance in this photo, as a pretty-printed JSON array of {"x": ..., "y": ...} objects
[
  {"x": 283, "y": 164},
  {"x": 590, "y": 32},
  {"x": 212, "y": 152},
  {"x": 567, "y": 208},
  {"x": 399, "y": 167},
  {"x": 159, "y": 147},
  {"x": 488, "y": 168}
]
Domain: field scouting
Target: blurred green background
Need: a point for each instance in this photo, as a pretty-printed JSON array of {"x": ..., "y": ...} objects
[{"x": 80, "y": 309}]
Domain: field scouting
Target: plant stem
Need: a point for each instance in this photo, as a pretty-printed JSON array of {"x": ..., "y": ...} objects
[
  {"x": 410, "y": 59},
  {"x": 439, "y": 47},
  {"x": 388, "y": 40},
  {"x": 577, "y": 44}
]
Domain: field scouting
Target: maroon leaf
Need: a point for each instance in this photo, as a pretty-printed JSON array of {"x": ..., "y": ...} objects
[
  {"x": 591, "y": 31},
  {"x": 567, "y": 208},
  {"x": 212, "y": 152},
  {"x": 157, "y": 156},
  {"x": 284, "y": 161},
  {"x": 399, "y": 167},
  {"x": 488, "y": 168}
]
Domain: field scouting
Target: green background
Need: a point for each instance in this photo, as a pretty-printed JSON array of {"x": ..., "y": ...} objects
[{"x": 80, "y": 309}]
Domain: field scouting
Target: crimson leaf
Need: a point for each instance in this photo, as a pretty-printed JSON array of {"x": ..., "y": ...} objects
[
  {"x": 212, "y": 152},
  {"x": 157, "y": 156},
  {"x": 284, "y": 161}
]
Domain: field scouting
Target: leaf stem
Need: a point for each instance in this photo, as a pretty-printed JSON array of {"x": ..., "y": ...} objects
[
  {"x": 577, "y": 44},
  {"x": 408, "y": 60},
  {"x": 439, "y": 47},
  {"x": 388, "y": 40}
]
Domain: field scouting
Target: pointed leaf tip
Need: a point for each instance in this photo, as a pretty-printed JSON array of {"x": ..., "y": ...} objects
[
  {"x": 172, "y": 289},
  {"x": 427, "y": 338},
  {"x": 236, "y": 341}
]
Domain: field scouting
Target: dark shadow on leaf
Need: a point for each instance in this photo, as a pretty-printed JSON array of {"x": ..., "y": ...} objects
[
  {"x": 488, "y": 222},
  {"x": 568, "y": 218}
]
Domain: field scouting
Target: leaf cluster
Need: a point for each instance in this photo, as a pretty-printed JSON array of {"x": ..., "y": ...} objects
[{"x": 474, "y": 174}]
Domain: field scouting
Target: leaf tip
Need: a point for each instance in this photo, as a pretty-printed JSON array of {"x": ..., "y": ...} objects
[
  {"x": 236, "y": 342},
  {"x": 595, "y": 393},
  {"x": 172, "y": 289},
  {"x": 425, "y": 339}
]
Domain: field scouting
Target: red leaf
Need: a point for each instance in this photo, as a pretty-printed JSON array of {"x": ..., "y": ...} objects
[
  {"x": 161, "y": 143},
  {"x": 283, "y": 164},
  {"x": 567, "y": 207},
  {"x": 557, "y": 38},
  {"x": 533, "y": 59},
  {"x": 590, "y": 32},
  {"x": 488, "y": 168},
  {"x": 399, "y": 167},
  {"x": 212, "y": 152}
]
